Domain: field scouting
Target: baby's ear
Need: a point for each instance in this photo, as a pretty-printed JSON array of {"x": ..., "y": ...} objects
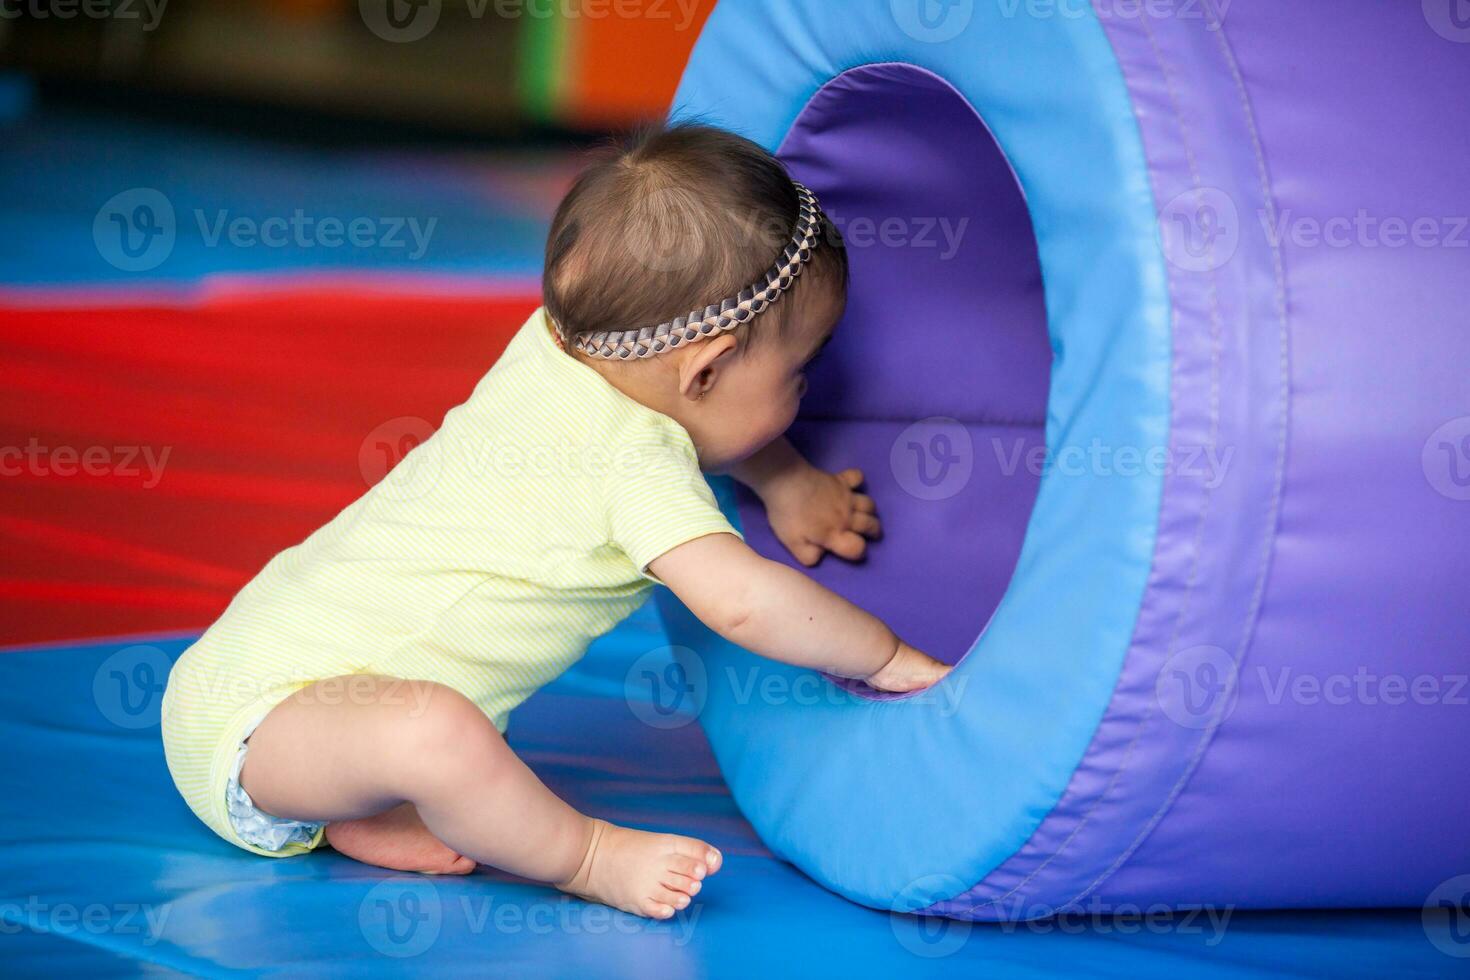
[{"x": 703, "y": 365}]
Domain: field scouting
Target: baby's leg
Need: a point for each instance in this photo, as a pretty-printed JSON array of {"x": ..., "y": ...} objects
[
  {"x": 397, "y": 839},
  {"x": 352, "y": 748}
]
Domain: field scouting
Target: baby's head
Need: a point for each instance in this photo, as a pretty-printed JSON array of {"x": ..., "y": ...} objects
[{"x": 684, "y": 219}]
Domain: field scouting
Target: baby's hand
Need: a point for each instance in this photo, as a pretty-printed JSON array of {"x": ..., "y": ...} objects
[
  {"x": 909, "y": 670},
  {"x": 813, "y": 511}
]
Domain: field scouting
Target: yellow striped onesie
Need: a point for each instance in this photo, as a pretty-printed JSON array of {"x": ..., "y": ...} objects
[{"x": 486, "y": 561}]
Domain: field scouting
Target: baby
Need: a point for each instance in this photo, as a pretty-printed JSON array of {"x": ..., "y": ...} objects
[{"x": 357, "y": 690}]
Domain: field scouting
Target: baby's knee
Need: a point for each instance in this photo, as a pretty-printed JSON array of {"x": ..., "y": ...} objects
[{"x": 448, "y": 731}]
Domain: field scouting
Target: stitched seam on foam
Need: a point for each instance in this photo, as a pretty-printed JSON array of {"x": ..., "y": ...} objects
[
  {"x": 1214, "y": 414},
  {"x": 1278, "y": 477},
  {"x": 1215, "y": 324}
]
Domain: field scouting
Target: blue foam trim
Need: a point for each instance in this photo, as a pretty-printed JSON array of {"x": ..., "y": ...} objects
[{"x": 824, "y": 776}]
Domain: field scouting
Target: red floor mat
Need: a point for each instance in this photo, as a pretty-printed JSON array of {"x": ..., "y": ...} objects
[{"x": 152, "y": 458}]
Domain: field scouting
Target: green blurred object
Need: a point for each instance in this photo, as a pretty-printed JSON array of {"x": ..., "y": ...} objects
[{"x": 542, "y": 79}]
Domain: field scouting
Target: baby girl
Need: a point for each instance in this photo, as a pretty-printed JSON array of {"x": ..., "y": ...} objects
[{"x": 357, "y": 690}]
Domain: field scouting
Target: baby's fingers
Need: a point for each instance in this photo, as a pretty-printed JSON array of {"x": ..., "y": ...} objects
[
  {"x": 862, "y": 503},
  {"x": 866, "y": 524},
  {"x": 848, "y": 544},
  {"x": 806, "y": 552},
  {"x": 801, "y": 547},
  {"x": 852, "y": 479}
]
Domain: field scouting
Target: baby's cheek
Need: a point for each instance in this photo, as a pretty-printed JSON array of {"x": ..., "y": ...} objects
[
  {"x": 772, "y": 427},
  {"x": 793, "y": 405},
  {"x": 782, "y": 413}
]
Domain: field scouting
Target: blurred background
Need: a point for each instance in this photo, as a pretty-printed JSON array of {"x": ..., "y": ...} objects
[
  {"x": 252, "y": 250},
  {"x": 465, "y": 67}
]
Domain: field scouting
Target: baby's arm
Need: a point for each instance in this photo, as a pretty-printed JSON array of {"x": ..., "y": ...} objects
[
  {"x": 811, "y": 511},
  {"x": 779, "y": 613}
]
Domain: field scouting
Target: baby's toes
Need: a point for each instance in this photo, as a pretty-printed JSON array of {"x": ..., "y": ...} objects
[
  {"x": 699, "y": 851},
  {"x": 688, "y": 867},
  {"x": 682, "y": 884},
  {"x": 669, "y": 897},
  {"x": 654, "y": 909}
]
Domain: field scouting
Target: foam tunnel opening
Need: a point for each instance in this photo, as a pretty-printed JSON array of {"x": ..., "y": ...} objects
[
  {"x": 937, "y": 383},
  {"x": 1045, "y": 578}
]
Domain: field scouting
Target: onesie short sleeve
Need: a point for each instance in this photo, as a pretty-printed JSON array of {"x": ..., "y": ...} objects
[{"x": 657, "y": 497}]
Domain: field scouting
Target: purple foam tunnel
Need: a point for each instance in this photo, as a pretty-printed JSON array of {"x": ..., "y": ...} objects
[{"x": 1157, "y": 359}]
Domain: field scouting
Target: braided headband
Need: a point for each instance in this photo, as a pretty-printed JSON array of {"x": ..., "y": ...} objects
[{"x": 623, "y": 345}]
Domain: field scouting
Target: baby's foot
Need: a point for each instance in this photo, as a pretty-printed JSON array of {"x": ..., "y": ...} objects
[
  {"x": 398, "y": 840},
  {"x": 909, "y": 670},
  {"x": 642, "y": 873}
]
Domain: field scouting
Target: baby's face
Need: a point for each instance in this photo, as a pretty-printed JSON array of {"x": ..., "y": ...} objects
[{"x": 757, "y": 399}]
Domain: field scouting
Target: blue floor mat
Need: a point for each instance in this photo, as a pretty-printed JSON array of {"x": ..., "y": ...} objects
[{"x": 107, "y": 873}]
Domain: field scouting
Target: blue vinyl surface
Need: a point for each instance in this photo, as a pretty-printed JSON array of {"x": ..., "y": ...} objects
[
  {"x": 220, "y": 205},
  {"x": 106, "y": 873}
]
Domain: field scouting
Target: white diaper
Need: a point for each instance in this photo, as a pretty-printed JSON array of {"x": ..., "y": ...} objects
[{"x": 254, "y": 827}]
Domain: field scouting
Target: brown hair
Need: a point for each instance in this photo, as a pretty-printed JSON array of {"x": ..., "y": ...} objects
[{"x": 679, "y": 218}]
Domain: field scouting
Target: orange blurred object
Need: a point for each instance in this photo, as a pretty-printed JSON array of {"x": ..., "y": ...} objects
[{"x": 627, "y": 68}]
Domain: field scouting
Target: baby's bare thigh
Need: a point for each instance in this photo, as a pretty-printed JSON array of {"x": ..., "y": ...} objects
[{"x": 351, "y": 747}]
